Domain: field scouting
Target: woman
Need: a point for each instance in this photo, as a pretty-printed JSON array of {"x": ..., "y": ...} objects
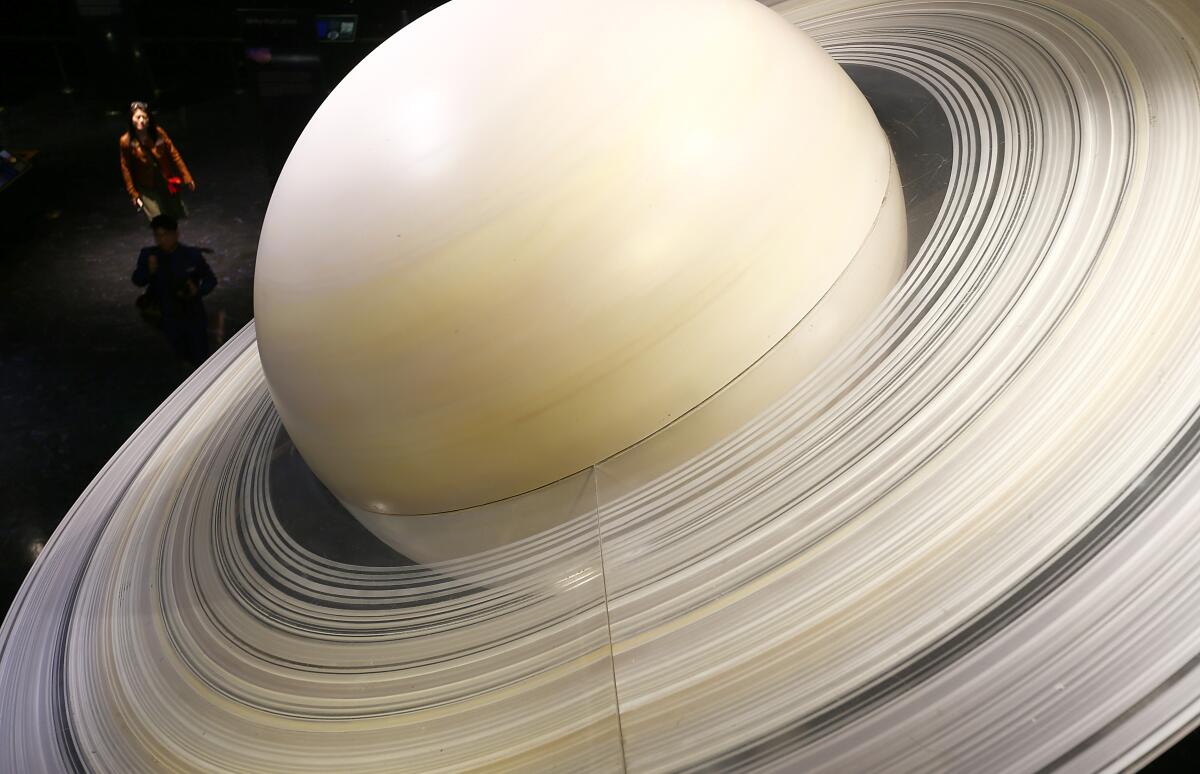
[{"x": 152, "y": 167}]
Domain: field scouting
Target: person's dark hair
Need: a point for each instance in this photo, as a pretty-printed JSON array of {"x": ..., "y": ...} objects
[
  {"x": 165, "y": 222},
  {"x": 151, "y": 124}
]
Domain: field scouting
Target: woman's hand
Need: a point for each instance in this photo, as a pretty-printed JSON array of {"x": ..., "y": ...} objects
[
  {"x": 191, "y": 184},
  {"x": 137, "y": 202}
]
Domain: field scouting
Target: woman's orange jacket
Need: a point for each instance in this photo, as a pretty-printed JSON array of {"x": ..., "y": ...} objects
[{"x": 139, "y": 165}]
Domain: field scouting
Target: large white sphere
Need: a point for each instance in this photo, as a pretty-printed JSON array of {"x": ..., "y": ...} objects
[{"x": 523, "y": 235}]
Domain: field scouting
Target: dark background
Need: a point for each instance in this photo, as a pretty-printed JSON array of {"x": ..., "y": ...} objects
[{"x": 234, "y": 84}]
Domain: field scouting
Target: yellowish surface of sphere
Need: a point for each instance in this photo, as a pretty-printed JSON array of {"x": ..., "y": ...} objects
[{"x": 523, "y": 235}]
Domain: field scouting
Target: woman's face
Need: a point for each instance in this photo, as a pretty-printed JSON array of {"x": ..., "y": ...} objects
[{"x": 139, "y": 119}]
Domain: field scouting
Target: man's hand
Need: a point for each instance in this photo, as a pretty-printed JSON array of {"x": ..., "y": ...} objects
[
  {"x": 137, "y": 202},
  {"x": 152, "y": 263},
  {"x": 192, "y": 289}
]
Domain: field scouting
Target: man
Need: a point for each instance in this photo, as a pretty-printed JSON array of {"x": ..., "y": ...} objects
[{"x": 178, "y": 276}]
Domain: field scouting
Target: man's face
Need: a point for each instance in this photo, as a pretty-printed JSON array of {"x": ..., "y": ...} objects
[
  {"x": 140, "y": 119},
  {"x": 166, "y": 240}
]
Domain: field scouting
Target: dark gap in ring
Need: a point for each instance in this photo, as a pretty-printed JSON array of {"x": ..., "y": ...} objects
[
  {"x": 919, "y": 131},
  {"x": 314, "y": 518}
]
